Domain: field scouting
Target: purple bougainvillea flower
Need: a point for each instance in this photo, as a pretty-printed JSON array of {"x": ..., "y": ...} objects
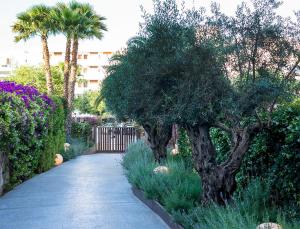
[{"x": 26, "y": 92}]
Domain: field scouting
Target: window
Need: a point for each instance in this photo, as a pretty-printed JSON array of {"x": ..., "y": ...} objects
[
  {"x": 8, "y": 61},
  {"x": 93, "y": 81},
  {"x": 79, "y": 56},
  {"x": 57, "y": 53},
  {"x": 94, "y": 66},
  {"x": 85, "y": 56},
  {"x": 85, "y": 84}
]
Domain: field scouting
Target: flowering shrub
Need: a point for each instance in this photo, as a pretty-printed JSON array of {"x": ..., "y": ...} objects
[
  {"x": 27, "y": 93},
  {"x": 31, "y": 130}
]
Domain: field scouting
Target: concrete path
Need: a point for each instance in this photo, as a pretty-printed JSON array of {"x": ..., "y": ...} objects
[{"x": 88, "y": 192}]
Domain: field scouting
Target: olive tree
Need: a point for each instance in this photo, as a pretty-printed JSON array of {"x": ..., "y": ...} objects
[
  {"x": 234, "y": 71},
  {"x": 140, "y": 78},
  {"x": 203, "y": 72},
  {"x": 128, "y": 95}
]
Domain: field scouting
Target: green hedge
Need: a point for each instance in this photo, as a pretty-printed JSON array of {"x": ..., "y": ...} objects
[
  {"x": 56, "y": 136},
  {"x": 31, "y": 132},
  {"x": 274, "y": 155}
]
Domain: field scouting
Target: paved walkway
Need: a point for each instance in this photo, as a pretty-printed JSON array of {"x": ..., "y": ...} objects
[{"x": 88, "y": 192}]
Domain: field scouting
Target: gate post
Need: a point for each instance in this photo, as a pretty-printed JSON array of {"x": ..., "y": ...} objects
[{"x": 97, "y": 138}]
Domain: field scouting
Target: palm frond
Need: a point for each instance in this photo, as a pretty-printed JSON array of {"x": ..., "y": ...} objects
[{"x": 34, "y": 21}]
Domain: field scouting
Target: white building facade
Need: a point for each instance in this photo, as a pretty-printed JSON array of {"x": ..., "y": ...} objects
[
  {"x": 7, "y": 66},
  {"x": 92, "y": 69}
]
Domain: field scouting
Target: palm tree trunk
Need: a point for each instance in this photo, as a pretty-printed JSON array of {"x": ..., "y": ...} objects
[
  {"x": 67, "y": 68},
  {"x": 47, "y": 69},
  {"x": 71, "y": 86},
  {"x": 73, "y": 73}
]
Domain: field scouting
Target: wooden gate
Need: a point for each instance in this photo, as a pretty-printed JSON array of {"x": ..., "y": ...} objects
[{"x": 114, "y": 139}]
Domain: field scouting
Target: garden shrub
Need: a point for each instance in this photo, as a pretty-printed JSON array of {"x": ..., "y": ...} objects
[
  {"x": 78, "y": 146},
  {"x": 31, "y": 130},
  {"x": 248, "y": 210},
  {"x": 81, "y": 130},
  {"x": 274, "y": 155},
  {"x": 80, "y": 139},
  {"x": 178, "y": 189}
]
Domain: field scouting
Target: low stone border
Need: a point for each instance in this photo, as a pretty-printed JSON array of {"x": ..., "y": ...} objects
[{"x": 157, "y": 208}]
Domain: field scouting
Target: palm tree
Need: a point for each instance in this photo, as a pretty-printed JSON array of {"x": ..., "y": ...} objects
[
  {"x": 66, "y": 21},
  {"x": 90, "y": 25},
  {"x": 78, "y": 21},
  {"x": 36, "y": 21}
]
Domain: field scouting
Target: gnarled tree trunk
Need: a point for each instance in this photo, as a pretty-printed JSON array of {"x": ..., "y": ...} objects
[
  {"x": 46, "y": 58},
  {"x": 218, "y": 181},
  {"x": 71, "y": 86},
  {"x": 159, "y": 136}
]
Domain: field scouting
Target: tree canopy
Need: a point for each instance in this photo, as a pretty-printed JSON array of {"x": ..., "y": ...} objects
[
  {"x": 87, "y": 104},
  {"x": 37, "y": 21},
  {"x": 205, "y": 71},
  {"x": 35, "y": 76}
]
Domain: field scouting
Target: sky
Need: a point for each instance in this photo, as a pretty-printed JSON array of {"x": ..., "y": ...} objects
[{"x": 123, "y": 17}]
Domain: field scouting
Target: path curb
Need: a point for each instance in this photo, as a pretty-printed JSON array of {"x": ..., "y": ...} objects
[{"x": 157, "y": 208}]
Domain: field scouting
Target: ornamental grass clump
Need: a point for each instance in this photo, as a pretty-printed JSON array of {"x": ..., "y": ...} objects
[
  {"x": 176, "y": 190},
  {"x": 248, "y": 209},
  {"x": 31, "y": 131}
]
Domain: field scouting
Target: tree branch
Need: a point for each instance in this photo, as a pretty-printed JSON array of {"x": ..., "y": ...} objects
[
  {"x": 258, "y": 118},
  {"x": 241, "y": 141},
  {"x": 223, "y": 127},
  {"x": 241, "y": 145},
  {"x": 293, "y": 69}
]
